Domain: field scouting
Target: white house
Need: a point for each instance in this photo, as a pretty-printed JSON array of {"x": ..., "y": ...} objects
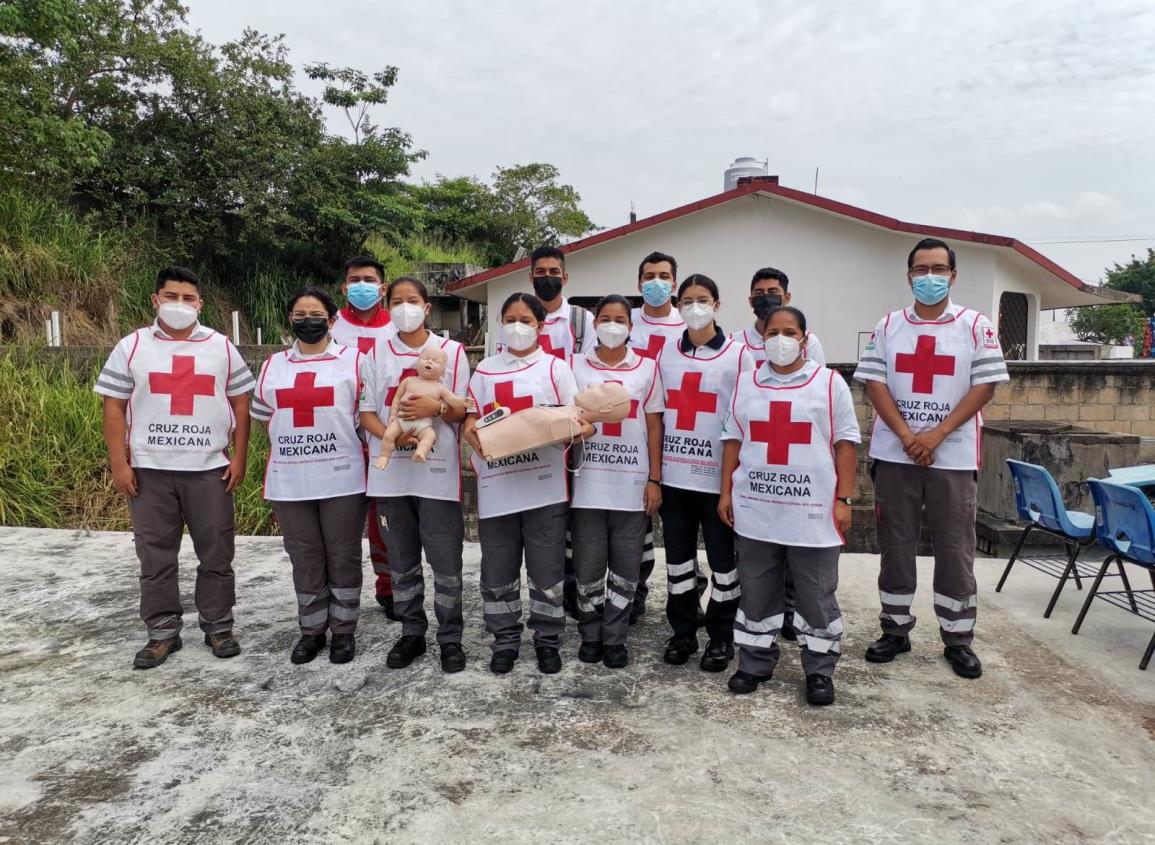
[{"x": 847, "y": 266}]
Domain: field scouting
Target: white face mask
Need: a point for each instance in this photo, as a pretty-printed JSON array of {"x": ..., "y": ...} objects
[
  {"x": 612, "y": 335},
  {"x": 408, "y": 316},
  {"x": 518, "y": 336},
  {"x": 177, "y": 315},
  {"x": 782, "y": 350},
  {"x": 697, "y": 315}
]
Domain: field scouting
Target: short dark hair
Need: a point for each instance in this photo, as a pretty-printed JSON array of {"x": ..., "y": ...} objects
[
  {"x": 412, "y": 282},
  {"x": 701, "y": 281},
  {"x": 531, "y": 301},
  {"x": 931, "y": 243},
  {"x": 790, "y": 309},
  {"x": 177, "y": 274},
  {"x": 657, "y": 258},
  {"x": 546, "y": 252},
  {"x": 614, "y": 299},
  {"x": 363, "y": 261},
  {"x": 317, "y": 293},
  {"x": 771, "y": 273}
]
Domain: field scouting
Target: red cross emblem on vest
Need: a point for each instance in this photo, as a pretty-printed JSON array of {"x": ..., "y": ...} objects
[
  {"x": 779, "y": 433},
  {"x": 391, "y": 394},
  {"x": 183, "y": 385},
  {"x": 503, "y": 396},
  {"x": 654, "y": 348},
  {"x": 924, "y": 364},
  {"x": 689, "y": 401},
  {"x": 614, "y": 429},
  {"x": 549, "y": 349},
  {"x": 303, "y": 398},
  {"x": 366, "y": 344}
]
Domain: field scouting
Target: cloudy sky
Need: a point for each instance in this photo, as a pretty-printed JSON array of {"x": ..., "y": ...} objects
[{"x": 1031, "y": 118}]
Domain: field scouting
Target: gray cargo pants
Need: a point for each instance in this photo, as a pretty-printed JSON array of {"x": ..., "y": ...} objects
[
  {"x": 413, "y": 523},
  {"x": 167, "y": 501},
  {"x": 762, "y": 569},
  {"x": 539, "y": 535},
  {"x": 323, "y": 539},
  {"x": 613, "y": 540},
  {"x": 902, "y": 493}
]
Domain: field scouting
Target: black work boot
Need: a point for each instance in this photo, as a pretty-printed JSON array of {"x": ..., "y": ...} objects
[
  {"x": 452, "y": 657},
  {"x": 156, "y": 652},
  {"x": 342, "y": 648},
  {"x": 615, "y": 656},
  {"x": 819, "y": 689},
  {"x": 679, "y": 649},
  {"x": 887, "y": 647},
  {"x": 717, "y": 656},
  {"x": 405, "y": 651},
  {"x": 307, "y": 648},
  {"x": 964, "y": 661},
  {"x": 744, "y": 683},
  {"x": 502, "y": 661},
  {"x": 548, "y": 660},
  {"x": 590, "y": 652}
]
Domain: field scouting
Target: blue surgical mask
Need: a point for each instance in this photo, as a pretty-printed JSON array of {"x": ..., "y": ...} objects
[
  {"x": 930, "y": 289},
  {"x": 656, "y": 292},
  {"x": 364, "y": 295}
]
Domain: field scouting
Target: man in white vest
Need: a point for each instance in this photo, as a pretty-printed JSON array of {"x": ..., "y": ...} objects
[
  {"x": 929, "y": 370},
  {"x": 174, "y": 393}
]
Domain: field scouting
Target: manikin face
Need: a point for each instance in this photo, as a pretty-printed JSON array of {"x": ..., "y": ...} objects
[{"x": 431, "y": 363}]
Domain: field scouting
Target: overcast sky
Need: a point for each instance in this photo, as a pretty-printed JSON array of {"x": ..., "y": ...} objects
[{"x": 1031, "y": 118}]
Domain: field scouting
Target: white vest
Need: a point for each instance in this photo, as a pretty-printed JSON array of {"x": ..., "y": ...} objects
[
  {"x": 649, "y": 336},
  {"x": 440, "y": 476},
  {"x": 615, "y": 463},
  {"x": 364, "y": 338},
  {"x": 698, "y": 393},
  {"x": 314, "y": 450},
  {"x": 532, "y": 479},
  {"x": 928, "y": 371},
  {"x": 179, "y": 417},
  {"x": 785, "y": 481}
]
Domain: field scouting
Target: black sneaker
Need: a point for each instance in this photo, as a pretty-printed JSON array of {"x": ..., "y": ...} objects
[
  {"x": 548, "y": 660},
  {"x": 679, "y": 649},
  {"x": 342, "y": 648},
  {"x": 156, "y": 652},
  {"x": 744, "y": 683},
  {"x": 590, "y": 652},
  {"x": 615, "y": 657},
  {"x": 819, "y": 690},
  {"x": 502, "y": 661},
  {"x": 386, "y": 603},
  {"x": 887, "y": 647},
  {"x": 717, "y": 656},
  {"x": 307, "y": 648},
  {"x": 452, "y": 657},
  {"x": 405, "y": 651},
  {"x": 964, "y": 661}
]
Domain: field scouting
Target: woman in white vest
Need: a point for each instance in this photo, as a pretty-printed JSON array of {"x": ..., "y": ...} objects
[
  {"x": 315, "y": 479},
  {"x": 420, "y": 502},
  {"x": 699, "y": 373},
  {"x": 787, "y": 477},
  {"x": 617, "y": 488},
  {"x": 522, "y": 500}
]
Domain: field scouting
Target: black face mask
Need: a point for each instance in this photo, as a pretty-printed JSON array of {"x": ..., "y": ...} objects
[
  {"x": 547, "y": 288},
  {"x": 310, "y": 329},
  {"x": 765, "y": 303}
]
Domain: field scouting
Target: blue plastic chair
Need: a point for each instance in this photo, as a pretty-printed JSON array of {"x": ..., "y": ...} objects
[
  {"x": 1040, "y": 505},
  {"x": 1125, "y": 526}
]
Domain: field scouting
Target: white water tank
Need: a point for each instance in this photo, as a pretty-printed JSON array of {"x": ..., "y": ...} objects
[{"x": 742, "y": 166}]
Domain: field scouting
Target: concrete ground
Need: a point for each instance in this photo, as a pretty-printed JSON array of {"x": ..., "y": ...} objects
[{"x": 1055, "y": 744}]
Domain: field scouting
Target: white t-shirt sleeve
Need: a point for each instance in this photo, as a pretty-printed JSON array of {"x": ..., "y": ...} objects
[
  {"x": 656, "y": 401},
  {"x": 116, "y": 380},
  {"x": 730, "y": 429},
  {"x": 987, "y": 363},
  {"x": 590, "y": 336},
  {"x": 872, "y": 363},
  {"x": 260, "y": 409},
  {"x": 240, "y": 376},
  {"x": 471, "y": 395},
  {"x": 461, "y": 373},
  {"x": 814, "y": 350},
  {"x": 563, "y": 379},
  {"x": 845, "y": 420}
]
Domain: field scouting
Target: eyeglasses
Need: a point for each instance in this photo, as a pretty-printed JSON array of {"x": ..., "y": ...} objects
[
  {"x": 301, "y": 315},
  {"x": 936, "y": 269}
]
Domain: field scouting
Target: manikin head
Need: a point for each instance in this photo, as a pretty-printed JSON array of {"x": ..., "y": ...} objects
[{"x": 431, "y": 363}]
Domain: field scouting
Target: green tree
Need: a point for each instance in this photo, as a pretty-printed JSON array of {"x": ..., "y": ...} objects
[
  {"x": 1120, "y": 323},
  {"x": 532, "y": 208}
]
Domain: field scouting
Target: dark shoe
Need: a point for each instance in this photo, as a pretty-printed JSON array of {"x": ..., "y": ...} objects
[
  {"x": 637, "y": 611},
  {"x": 569, "y": 601},
  {"x": 615, "y": 657},
  {"x": 590, "y": 653},
  {"x": 223, "y": 644},
  {"x": 886, "y": 648},
  {"x": 679, "y": 649},
  {"x": 548, "y": 660},
  {"x": 452, "y": 657},
  {"x": 342, "y": 648},
  {"x": 744, "y": 683},
  {"x": 717, "y": 656},
  {"x": 788, "y": 632},
  {"x": 502, "y": 661},
  {"x": 156, "y": 652},
  {"x": 964, "y": 661},
  {"x": 819, "y": 690},
  {"x": 405, "y": 651},
  {"x": 386, "y": 603},
  {"x": 307, "y": 648}
]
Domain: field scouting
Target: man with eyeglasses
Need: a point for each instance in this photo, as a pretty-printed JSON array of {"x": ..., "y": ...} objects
[{"x": 929, "y": 370}]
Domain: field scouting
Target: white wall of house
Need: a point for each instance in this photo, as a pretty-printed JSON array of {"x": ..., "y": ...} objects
[{"x": 844, "y": 274}]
